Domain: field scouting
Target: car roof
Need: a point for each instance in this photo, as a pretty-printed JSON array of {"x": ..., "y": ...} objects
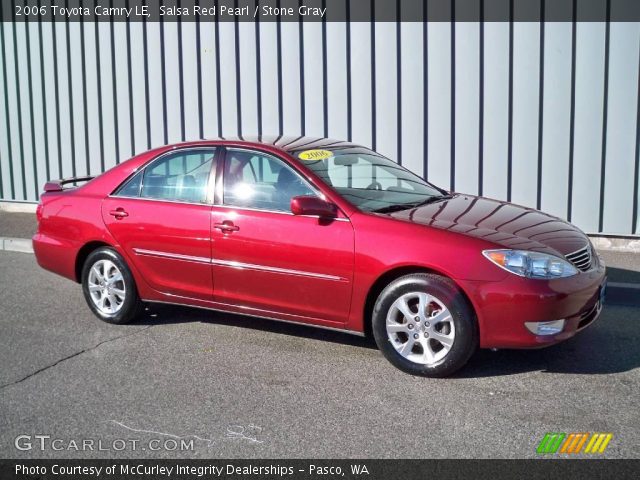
[{"x": 287, "y": 143}]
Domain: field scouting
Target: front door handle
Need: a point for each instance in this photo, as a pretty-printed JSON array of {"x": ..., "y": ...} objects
[
  {"x": 119, "y": 213},
  {"x": 226, "y": 227}
]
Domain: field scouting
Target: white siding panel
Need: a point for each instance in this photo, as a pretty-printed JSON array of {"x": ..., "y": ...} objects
[
  {"x": 248, "y": 78},
  {"x": 557, "y": 117},
  {"x": 467, "y": 88},
  {"x": 337, "y": 80},
  {"x": 24, "y": 99},
  {"x": 138, "y": 88},
  {"x": 190, "y": 79},
  {"x": 269, "y": 78},
  {"x": 496, "y": 109},
  {"x": 209, "y": 87},
  {"x": 172, "y": 81},
  {"x": 155, "y": 84},
  {"x": 386, "y": 90},
  {"x": 439, "y": 103},
  {"x": 526, "y": 87},
  {"x": 108, "y": 113},
  {"x": 588, "y": 124},
  {"x": 63, "y": 104},
  {"x": 5, "y": 140},
  {"x": 413, "y": 91},
  {"x": 313, "y": 83},
  {"x": 93, "y": 117},
  {"x": 122, "y": 90},
  {"x": 291, "y": 80},
  {"x": 621, "y": 127},
  {"x": 361, "y": 83}
]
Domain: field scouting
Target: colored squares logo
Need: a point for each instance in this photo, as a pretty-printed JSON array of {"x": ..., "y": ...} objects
[{"x": 573, "y": 443}]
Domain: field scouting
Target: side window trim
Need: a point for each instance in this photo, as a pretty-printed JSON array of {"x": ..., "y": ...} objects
[
  {"x": 218, "y": 157},
  {"x": 222, "y": 169}
]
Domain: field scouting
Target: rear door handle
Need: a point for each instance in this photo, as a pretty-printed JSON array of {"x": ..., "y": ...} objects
[
  {"x": 119, "y": 213},
  {"x": 226, "y": 227}
]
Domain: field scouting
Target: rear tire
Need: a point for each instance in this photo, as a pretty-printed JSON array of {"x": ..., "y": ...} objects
[
  {"x": 109, "y": 287},
  {"x": 423, "y": 325}
]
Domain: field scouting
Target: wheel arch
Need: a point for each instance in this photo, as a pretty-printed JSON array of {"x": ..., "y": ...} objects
[
  {"x": 84, "y": 252},
  {"x": 389, "y": 276}
]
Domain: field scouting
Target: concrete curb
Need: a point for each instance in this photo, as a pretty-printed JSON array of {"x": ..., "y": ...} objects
[
  {"x": 22, "y": 245},
  {"x": 617, "y": 293},
  {"x": 18, "y": 207},
  {"x": 614, "y": 244}
]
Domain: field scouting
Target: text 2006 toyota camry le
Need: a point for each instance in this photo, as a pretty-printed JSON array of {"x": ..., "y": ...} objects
[{"x": 325, "y": 233}]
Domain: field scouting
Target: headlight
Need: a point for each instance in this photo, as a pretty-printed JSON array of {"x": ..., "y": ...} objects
[{"x": 531, "y": 264}]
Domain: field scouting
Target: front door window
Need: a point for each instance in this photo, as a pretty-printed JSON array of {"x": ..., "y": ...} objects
[{"x": 260, "y": 181}]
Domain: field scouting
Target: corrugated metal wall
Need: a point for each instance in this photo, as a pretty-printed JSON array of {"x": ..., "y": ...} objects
[{"x": 545, "y": 115}]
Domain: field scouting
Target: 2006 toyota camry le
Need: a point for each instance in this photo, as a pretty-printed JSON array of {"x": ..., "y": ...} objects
[{"x": 325, "y": 233}]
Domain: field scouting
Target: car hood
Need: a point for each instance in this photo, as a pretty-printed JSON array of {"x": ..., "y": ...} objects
[{"x": 503, "y": 223}]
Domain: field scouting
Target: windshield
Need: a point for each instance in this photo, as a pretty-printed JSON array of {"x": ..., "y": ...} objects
[{"x": 368, "y": 180}]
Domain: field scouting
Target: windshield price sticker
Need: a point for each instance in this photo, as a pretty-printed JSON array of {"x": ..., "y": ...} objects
[{"x": 315, "y": 154}]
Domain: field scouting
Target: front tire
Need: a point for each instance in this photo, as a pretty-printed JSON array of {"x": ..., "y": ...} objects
[
  {"x": 109, "y": 287},
  {"x": 424, "y": 326}
]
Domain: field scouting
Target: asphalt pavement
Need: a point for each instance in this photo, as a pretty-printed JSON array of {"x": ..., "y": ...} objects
[
  {"x": 224, "y": 386},
  {"x": 17, "y": 225}
]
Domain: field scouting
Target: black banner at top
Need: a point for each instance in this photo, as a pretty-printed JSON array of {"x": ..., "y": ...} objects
[{"x": 321, "y": 10}]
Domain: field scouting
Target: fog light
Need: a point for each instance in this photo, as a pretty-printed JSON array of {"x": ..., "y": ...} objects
[{"x": 545, "y": 328}]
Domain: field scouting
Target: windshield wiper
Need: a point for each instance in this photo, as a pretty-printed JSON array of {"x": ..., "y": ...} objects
[
  {"x": 395, "y": 208},
  {"x": 434, "y": 199},
  {"x": 406, "y": 206}
]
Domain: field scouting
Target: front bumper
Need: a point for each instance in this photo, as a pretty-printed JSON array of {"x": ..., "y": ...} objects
[{"x": 503, "y": 308}]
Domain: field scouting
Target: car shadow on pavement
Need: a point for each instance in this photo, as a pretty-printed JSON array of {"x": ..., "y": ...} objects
[
  {"x": 159, "y": 314},
  {"x": 609, "y": 346},
  {"x": 623, "y": 275},
  {"x": 601, "y": 349}
]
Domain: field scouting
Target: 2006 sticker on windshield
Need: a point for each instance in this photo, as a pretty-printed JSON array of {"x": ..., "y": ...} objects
[{"x": 315, "y": 154}]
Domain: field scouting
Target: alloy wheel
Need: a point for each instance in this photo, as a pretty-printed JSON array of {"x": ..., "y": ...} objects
[
  {"x": 106, "y": 287},
  {"x": 420, "y": 328}
]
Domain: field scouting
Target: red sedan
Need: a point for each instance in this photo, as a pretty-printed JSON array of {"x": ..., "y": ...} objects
[{"x": 325, "y": 233}]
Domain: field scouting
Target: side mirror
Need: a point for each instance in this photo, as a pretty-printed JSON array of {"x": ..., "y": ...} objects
[{"x": 309, "y": 205}]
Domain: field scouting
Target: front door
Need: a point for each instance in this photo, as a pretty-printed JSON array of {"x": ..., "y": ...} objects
[
  {"x": 161, "y": 218},
  {"x": 265, "y": 258}
]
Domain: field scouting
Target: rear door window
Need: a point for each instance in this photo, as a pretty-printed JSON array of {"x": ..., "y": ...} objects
[{"x": 179, "y": 176}]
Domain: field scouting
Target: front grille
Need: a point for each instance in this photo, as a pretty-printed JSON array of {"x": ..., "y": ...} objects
[{"x": 581, "y": 259}]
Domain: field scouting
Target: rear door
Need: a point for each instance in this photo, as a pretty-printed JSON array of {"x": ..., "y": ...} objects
[
  {"x": 266, "y": 258},
  {"x": 161, "y": 218}
]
